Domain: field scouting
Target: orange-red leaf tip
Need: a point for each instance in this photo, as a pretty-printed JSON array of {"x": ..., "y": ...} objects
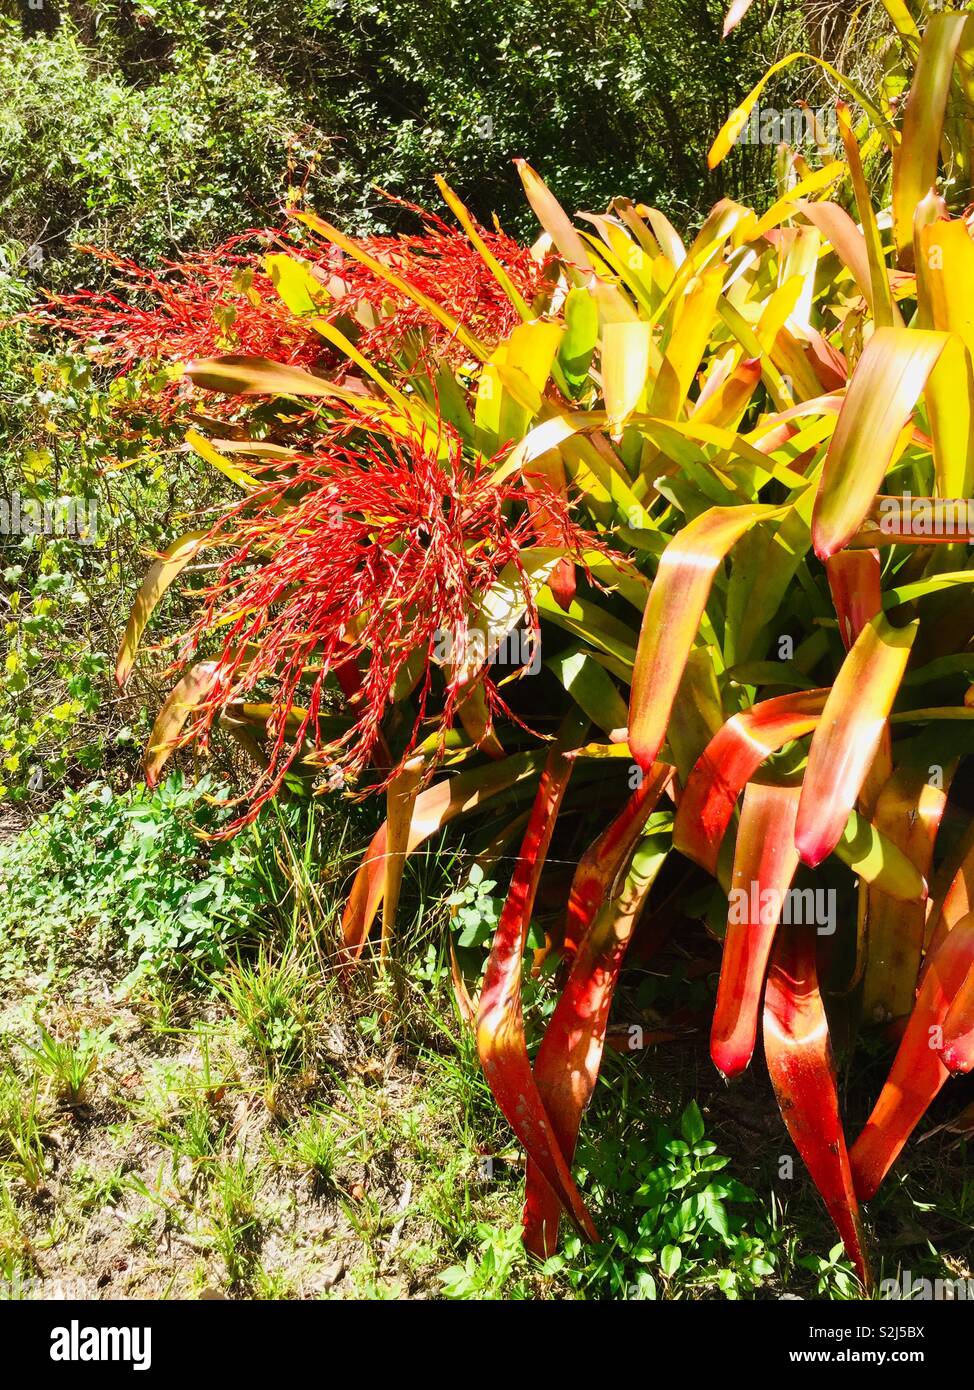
[
  {"x": 734, "y": 15},
  {"x": 824, "y": 545},
  {"x": 956, "y": 1059},
  {"x": 812, "y": 848},
  {"x": 730, "y": 1057},
  {"x": 644, "y": 756},
  {"x": 866, "y": 1177}
]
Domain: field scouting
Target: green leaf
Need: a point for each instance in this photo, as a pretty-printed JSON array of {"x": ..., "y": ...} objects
[
  {"x": 691, "y": 1123},
  {"x": 581, "y": 335}
]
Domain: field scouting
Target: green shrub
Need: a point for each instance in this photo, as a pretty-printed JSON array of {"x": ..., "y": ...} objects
[
  {"x": 582, "y": 88},
  {"x": 62, "y": 595},
  {"x": 131, "y": 871},
  {"x": 91, "y": 156},
  {"x": 675, "y": 1223},
  {"x": 148, "y": 126}
]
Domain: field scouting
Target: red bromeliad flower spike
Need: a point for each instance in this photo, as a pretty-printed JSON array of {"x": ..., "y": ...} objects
[
  {"x": 358, "y": 563},
  {"x": 205, "y": 304}
]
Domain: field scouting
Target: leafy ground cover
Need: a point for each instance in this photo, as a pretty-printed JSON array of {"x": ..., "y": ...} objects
[{"x": 249, "y": 1129}]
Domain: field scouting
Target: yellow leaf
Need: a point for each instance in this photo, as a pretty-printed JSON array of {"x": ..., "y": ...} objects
[{"x": 625, "y": 364}]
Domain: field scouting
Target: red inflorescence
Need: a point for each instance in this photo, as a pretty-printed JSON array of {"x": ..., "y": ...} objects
[
  {"x": 444, "y": 265},
  {"x": 204, "y": 305},
  {"x": 221, "y": 301},
  {"x": 377, "y": 559},
  {"x": 359, "y": 556}
]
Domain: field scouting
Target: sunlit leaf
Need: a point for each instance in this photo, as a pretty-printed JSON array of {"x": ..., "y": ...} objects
[
  {"x": 888, "y": 380},
  {"x": 915, "y": 163},
  {"x": 500, "y": 1022},
  {"x": 918, "y": 1071},
  {"x": 186, "y": 696},
  {"x": 672, "y": 617},
  {"x": 799, "y": 1057},
  {"x": 162, "y": 572},
  {"x": 570, "y": 1055},
  {"x": 765, "y": 861},
  {"x": 849, "y": 734}
]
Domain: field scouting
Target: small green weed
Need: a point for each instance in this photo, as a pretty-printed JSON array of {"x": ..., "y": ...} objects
[
  {"x": 21, "y": 1134},
  {"x": 69, "y": 1063},
  {"x": 270, "y": 1003}
]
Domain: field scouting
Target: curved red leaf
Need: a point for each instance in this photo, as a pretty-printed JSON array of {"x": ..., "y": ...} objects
[
  {"x": 799, "y": 1057},
  {"x": 849, "y": 735},
  {"x": 601, "y": 864},
  {"x": 918, "y": 1071},
  {"x": 765, "y": 861},
  {"x": 500, "y": 1022},
  {"x": 727, "y": 764},
  {"x": 568, "y": 1061}
]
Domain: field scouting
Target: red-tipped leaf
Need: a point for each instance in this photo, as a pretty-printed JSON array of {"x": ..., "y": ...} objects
[
  {"x": 500, "y": 1021},
  {"x": 570, "y": 1055},
  {"x": 849, "y": 734},
  {"x": 727, "y": 764},
  {"x": 918, "y": 1071},
  {"x": 676, "y": 604},
  {"x": 765, "y": 860},
  {"x": 799, "y": 1057},
  {"x": 958, "y": 1049},
  {"x": 884, "y": 390},
  {"x": 600, "y": 865}
]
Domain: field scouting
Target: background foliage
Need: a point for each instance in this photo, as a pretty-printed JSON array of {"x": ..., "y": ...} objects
[
  {"x": 174, "y": 123},
  {"x": 154, "y": 128}
]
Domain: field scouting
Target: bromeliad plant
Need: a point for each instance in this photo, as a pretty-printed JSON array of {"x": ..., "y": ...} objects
[{"x": 712, "y": 498}]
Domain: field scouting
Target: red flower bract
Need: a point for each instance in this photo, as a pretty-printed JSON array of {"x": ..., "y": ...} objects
[
  {"x": 222, "y": 301},
  {"x": 443, "y": 265},
  {"x": 362, "y": 562},
  {"x": 203, "y": 305}
]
